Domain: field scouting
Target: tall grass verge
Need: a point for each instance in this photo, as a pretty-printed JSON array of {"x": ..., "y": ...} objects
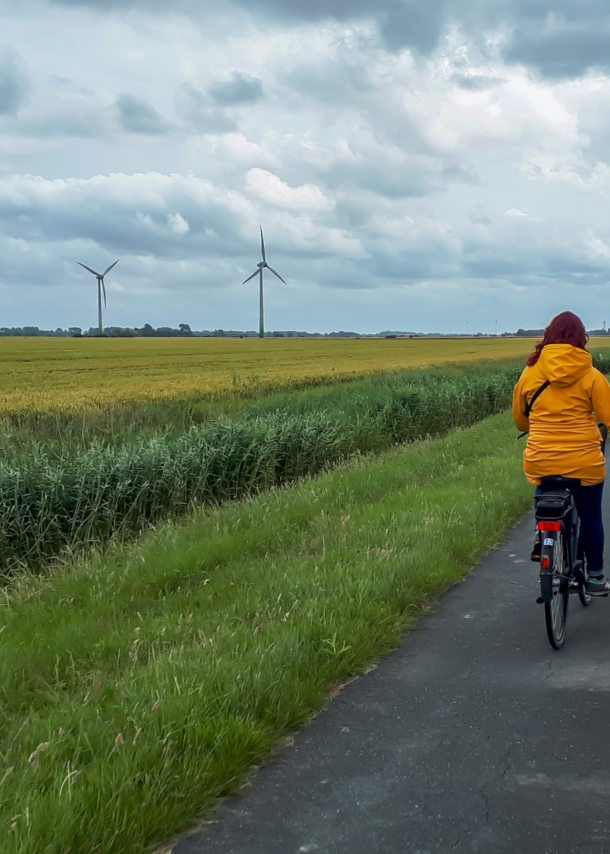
[
  {"x": 79, "y": 501},
  {"x": 59, "y": 499},
  {"x": 62, "y": 434},
  {"x": 137, "y": 688}
]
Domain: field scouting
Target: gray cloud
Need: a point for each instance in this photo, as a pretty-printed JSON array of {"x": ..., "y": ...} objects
[
  {"x": 136, "y": 116},
  {"x": 571, "y": 10},
  {"x": 195, "y": 108},
  {"x": 335, "y": 80},
  {"x": 106, "y": 5},
  {"x": 69, "y": 124},
  {"x": 147, "y": 214},
  {"x": 557, "y": 37},
  {"x": 240, "y": 89},
  {"x": 475, "y": 82},
  {"x": 415, "y": 261},
  {"x": 13, "y": 86},
  {"x": 407, "y": 177},
  {"x": 185, "y": 218},
  {"x": 567, "y": 50},
  {"x": 521, "y": 249},
  {"x": 403, "y": 23},
  {"x": 413, "y": 23},
  {"x": 394, "y": 172},
  {"x": 69, "y": 112},
  {"x": 202, "y": 236}
]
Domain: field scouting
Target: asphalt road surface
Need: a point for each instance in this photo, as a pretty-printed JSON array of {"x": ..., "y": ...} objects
[{"x": 473, "y": 736}]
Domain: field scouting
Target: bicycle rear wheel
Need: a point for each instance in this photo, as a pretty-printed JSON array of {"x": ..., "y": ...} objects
[{"x": 556, "y": 610}]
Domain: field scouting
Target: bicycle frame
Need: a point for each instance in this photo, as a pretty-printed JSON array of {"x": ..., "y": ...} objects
[{"x": 555, "y": 511}]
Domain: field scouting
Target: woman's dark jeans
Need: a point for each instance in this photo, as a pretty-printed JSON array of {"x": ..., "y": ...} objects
[{"x": 588, "y": 500}]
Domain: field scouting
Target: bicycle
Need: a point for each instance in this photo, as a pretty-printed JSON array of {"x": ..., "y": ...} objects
[
  {"x": 562, "y": 564},
  {"x": 563, "y": 568}
]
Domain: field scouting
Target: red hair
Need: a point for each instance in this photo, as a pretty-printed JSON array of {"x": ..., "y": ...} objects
[{"x": 566, "y": 328}]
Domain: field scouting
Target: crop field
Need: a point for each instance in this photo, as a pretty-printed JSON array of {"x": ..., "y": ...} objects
[
  {"x": 101, "y": 454},
  {"x": 47, "y": 375},
  {"x": 55, "y": 498}
]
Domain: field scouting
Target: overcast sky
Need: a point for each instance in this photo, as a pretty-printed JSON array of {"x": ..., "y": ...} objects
[{"x": 416, "y": 164}]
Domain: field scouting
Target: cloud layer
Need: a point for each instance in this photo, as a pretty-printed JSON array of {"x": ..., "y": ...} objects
[
  {"x": 13, "y": 86},
  {"x": 415, "y": 164}
]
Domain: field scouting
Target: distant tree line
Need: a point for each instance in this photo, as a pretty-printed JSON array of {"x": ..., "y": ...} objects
[
  {"x": 538, "y": 333},
  {"x": 185, "y": 331},
  {"x": 33, "y": 331},
  {"x": 148, "y": 331}
]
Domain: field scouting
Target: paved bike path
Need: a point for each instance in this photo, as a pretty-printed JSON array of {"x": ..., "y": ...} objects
[{"x": 473, "y": 736}]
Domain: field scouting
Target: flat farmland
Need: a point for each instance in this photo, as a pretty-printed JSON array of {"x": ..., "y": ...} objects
[
  {"x": 48, "y": 375},
  {"x": 153, "y": 662}
]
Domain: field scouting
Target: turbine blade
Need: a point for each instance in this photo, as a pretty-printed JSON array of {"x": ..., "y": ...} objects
[
  {"x": 103, "y": 290},
  {"x": 108, "y": 269},
  {"x": 255, "y": 273},
  {"x": 263, "y": 245},
  {"x": 275, "y": 273},
  {"x": 88, "y": 268}
]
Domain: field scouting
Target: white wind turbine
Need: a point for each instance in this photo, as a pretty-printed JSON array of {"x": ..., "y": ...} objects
[
  {"x": 259, "y": 272},
  {"x": 101, "y": 287}
]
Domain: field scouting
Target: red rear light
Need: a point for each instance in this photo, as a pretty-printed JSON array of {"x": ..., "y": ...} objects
[
  {"x": 544, "y": 562},
  {"x": 549, "y": 526}
]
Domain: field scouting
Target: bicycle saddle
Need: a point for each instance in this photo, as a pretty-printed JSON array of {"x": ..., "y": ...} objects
[{"x": 556, "y": 483}]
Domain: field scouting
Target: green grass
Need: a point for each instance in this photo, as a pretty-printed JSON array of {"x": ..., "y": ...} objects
[
  {"x": 60, "y": 433},
  {"x": 57, "y": 496},
  {"x": 137, "y": 688},
  {"x": 114, "y": 491}
]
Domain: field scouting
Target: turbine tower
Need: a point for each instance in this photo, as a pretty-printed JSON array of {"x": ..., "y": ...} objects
[
  {"x": 259, "y": 272},
  {"x": 101, "y": 287}
]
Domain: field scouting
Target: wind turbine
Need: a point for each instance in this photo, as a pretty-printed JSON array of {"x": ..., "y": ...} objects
[
  {"x": 259, "y": 272},
  {"x": 100, "y": 287}
]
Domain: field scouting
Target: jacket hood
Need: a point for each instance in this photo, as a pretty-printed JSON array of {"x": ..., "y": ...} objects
[{"x": 564, "y": 364}]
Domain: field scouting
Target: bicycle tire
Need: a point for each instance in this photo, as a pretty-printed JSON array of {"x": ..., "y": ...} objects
[{"x": 556, "y": 611}]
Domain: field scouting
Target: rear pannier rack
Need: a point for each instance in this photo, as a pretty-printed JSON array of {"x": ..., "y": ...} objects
[{"x": 552, "y": 505}]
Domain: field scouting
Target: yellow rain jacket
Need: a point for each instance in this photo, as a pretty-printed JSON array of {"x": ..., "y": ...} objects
[{"x": 563, "y": 436}]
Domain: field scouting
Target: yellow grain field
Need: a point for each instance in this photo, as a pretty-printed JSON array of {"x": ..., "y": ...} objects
[{"x": 76, "y": 375}]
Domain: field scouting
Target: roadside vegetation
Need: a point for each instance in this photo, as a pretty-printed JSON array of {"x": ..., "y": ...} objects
[
  {"x": 76, "y": 489},
  {"x": 54, "y": 497},
  {"x": 138, "y": 687}
]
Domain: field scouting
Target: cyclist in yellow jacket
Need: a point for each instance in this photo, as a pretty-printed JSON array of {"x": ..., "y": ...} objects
[{"x": 563, "y": 435}]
